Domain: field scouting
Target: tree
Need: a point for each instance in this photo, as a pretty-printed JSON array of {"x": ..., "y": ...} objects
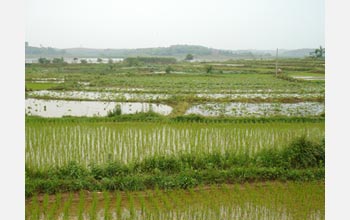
[
  {"x": 168, "y": 69},
  {"x": 83, "y": 61},
  {"x": 42, "y": 60},
  {"x": 189, "y": 57},
  {"x": 99, "y": 60},
  {"x": 111, "y": 64},
  {"x": 75, "y": 59},
  {"x": 320, "y": 52},
  {"x": 209, "y": 69},
  {"x": 58, "y": 60}
]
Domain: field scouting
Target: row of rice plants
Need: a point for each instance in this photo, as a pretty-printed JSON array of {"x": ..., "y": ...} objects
[
  {"x": 270, "y": 200},
  {"x": 189, "y": 82},
  {"x": 56, "y": 144}
]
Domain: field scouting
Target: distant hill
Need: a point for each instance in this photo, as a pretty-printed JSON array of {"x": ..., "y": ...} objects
[
  {"x": 177, "y": 51},
  {"x": 296, "y": 53}
]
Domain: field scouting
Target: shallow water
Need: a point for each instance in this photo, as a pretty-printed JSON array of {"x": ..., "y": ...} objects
[
  {"x": 60, "y": 108},
  {"x": 268, "y": 201},
  {"x": 309, "y": 77},
  {"x": 227, "y": 64},
  {"x": 47, "y": 80},
  {"x": 259, "y": 95},
  {"x": 97, "y": 95},
  {"x": 71, "y": 60},
  {"x": 128, "y": 96},
  {"x": 258, "y": 109}
]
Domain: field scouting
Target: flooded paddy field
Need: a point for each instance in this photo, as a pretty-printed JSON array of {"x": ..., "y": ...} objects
[
  {"x": 258, "y": 109},
  {"x": 90, "y": 95},
  {"x": 145, "y": 96},
  {"x": 320, "y": 78},
  {"x": 60, "y": 108},
  {"x": 263, "y": 201}
]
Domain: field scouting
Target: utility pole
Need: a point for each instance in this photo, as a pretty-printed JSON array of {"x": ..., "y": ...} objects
[{"x": 276, "y": 61}]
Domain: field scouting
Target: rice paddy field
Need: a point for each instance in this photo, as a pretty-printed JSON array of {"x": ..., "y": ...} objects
[
  {"x": 56, "y": 144},
  {"x": 121, "y": 141},
  {"x": 268, "y": 200}
]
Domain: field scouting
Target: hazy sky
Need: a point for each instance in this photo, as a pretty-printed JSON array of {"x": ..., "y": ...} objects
[{"x": 224, "y": 24}]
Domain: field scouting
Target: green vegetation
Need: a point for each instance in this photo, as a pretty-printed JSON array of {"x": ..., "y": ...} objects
[
  {"x": 262, "y": 200},
  {"x": 186, "y": 78},
  {"x": 189, "y": 57},
  {"x": 40, "y": 86},
  {"x": 115, "y": 112},
  {"x": 318, "y": 53},
  {"x": 43, "y": 61},
  {"x": 168, "y": 69},
  {"x": 132, "y": 61},
  {"x": 179, "y": 166},
  {"x": 51, "y": 143}
]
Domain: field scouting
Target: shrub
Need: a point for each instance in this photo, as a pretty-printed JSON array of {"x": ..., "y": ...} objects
[
  {"x": 116, "y": 111},
  {"x": 303, "y": 153},
  {"x": 72, "y": 171}
]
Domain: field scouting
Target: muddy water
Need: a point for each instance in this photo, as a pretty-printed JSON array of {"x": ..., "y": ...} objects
[
  {"x": 258, "y": 109},
  {"x": 60, "y": 108}
]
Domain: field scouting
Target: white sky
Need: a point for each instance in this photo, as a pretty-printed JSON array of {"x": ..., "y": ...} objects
[{"x": 223, "y": 24}]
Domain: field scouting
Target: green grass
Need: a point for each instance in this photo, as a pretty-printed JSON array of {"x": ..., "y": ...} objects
[{"x": 40, "y": 86}]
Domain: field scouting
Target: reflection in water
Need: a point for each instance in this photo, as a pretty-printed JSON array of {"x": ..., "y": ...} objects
[
  {"x": 91, "y": 95},
  {"x": 59, "y": 108},
  {"x": 258, "y": 109}
]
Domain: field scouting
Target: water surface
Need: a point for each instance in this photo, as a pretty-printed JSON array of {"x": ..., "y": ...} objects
[{"x": 60, "y": 108}]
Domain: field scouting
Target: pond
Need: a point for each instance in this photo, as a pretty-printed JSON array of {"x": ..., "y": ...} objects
[{"x": 60, "y": 108}]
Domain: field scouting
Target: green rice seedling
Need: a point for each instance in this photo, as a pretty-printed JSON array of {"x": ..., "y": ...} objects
[
  {"x": 57, "y": 144},
  {"x": 131, "y": 205},
  {"x": 52, "y": 212},
  {"x": 142, "y": 204},
  {"x": 118, "y": 205},
  {"x": 67, "y": 206},
  {"x": 81, "y": 205},
  {"x": 55, "y": 207},
  {"x": 153, "y": 203},
  {"x": 93, "y": 208},
  {"x": 45, "y": 205},
  {"x": 35, "y": 210},
  {"x": 107, "y": 215}
]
